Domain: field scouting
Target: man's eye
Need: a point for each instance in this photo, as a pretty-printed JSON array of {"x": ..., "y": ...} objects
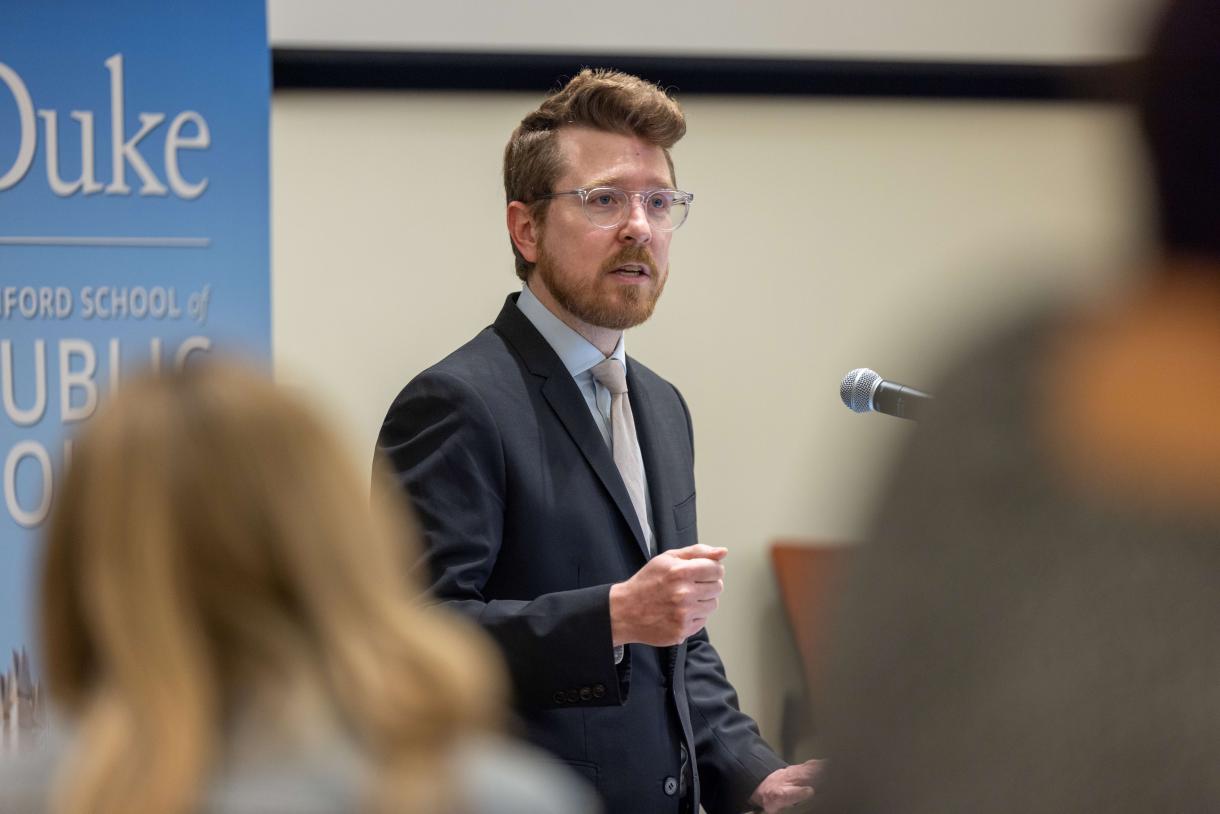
[
  {"x": 603, "y": 200},
  {"x": 659, "y": 201}
]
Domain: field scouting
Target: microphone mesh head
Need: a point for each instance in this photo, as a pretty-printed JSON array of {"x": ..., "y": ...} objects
[{"x": 856, "y": 389}]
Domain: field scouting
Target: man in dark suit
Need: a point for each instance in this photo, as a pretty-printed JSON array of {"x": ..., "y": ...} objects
[{"x": 558, "y": 506}]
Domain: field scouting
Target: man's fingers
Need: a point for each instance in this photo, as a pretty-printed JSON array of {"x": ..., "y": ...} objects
[
  {"x": 697, "y": 569},
  {"x": 700, "y": 570},
  {"x": 700, "y": 551},
  {"x": 805, "y": 773},
  {"x": 791, "y": 795},
  {"x": 693, "y": 627}
]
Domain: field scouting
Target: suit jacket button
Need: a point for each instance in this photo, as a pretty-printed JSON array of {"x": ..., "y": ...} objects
[
  {"x": 573, "y": 696},
  {"x": 599, "y": 690},
  {"x": 559, "y": 697},
  {"x": 671, "y": 786},
  {"x": 586, "y": 694}
]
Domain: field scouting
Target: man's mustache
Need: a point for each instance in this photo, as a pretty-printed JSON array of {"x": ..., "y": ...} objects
[{"x": 632, "y": 254}]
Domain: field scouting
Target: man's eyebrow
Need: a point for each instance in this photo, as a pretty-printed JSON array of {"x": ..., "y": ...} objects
[{"x": 606, "y": 181}]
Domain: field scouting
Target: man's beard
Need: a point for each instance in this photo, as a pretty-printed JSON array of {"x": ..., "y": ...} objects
[{"x": 616, "y": 307}]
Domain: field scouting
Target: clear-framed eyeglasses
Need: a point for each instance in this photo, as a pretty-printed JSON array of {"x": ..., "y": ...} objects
[{"x": 610, "y": 207}]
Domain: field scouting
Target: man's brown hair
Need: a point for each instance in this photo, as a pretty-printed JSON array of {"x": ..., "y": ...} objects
[{"x": 602, "y": 99}]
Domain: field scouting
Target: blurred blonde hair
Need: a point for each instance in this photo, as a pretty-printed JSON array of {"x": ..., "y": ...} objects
[{"x": 211, "y": 535}]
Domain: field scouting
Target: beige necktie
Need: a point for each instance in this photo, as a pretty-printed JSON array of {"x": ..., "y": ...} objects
[{"x": 613, "y": 376}]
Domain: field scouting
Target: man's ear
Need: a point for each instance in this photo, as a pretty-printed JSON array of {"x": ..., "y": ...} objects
[{"x": 523, "y": 229}]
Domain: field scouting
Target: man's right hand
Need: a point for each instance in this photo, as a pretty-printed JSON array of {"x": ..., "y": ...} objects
[{"x": 669, "y": 599}]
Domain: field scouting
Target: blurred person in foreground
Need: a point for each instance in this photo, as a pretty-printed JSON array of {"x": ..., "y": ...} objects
[
  {"x": 554, "y": 474},
  {"x": 226, "y": 627},
  {"x": 1033, "y": 626}
]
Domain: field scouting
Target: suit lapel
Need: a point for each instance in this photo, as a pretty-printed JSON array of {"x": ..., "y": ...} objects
[
  {"x": 565, "y": 399},
  {"x": 645, "y": 430},
  {"x": 570, "y": 407}
]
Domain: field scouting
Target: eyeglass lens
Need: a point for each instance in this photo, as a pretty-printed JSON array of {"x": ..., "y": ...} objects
[{"x": 609, "y": 207}]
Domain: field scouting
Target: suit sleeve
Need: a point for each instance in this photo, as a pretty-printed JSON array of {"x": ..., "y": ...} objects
[
  {"x": 445, "y": 451},
  {"x": 731, "y": 755}
]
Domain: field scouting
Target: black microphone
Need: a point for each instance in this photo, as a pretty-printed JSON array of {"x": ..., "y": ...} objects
[{"x": 863, "y": 391}]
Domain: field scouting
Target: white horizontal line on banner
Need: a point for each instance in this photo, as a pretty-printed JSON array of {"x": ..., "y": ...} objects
[{"x": 136, "y": 242}]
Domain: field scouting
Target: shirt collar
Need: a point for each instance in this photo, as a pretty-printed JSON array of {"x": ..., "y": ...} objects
[{"x": 577, "y": 353}]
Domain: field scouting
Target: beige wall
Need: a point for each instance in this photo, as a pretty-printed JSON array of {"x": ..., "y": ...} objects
[
  {"x": 826, "y": 235},
  {"x": 986, "y": 30}
]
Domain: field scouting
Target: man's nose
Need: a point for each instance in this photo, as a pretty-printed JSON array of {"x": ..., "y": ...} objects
[{"x": 637, "y": 228}]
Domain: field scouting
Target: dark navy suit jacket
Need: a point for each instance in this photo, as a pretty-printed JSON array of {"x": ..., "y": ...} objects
[{"x": 527, "y": 523}]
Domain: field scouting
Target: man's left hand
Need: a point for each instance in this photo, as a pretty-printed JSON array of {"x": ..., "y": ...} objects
[{"x": 786, "y": 787}]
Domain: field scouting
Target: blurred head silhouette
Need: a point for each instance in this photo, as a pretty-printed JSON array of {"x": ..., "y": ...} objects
[
  {"x": 1028, "y": 628},
  {"x": 213, "y": 561},
  {"x": 1180, "y": 114}
]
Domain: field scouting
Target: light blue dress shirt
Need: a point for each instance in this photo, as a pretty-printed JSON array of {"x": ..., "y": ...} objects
[{"x": 578, "y": 355}]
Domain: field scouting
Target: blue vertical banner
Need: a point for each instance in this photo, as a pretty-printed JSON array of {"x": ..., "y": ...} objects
[{"x": 133, "y": 225}]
